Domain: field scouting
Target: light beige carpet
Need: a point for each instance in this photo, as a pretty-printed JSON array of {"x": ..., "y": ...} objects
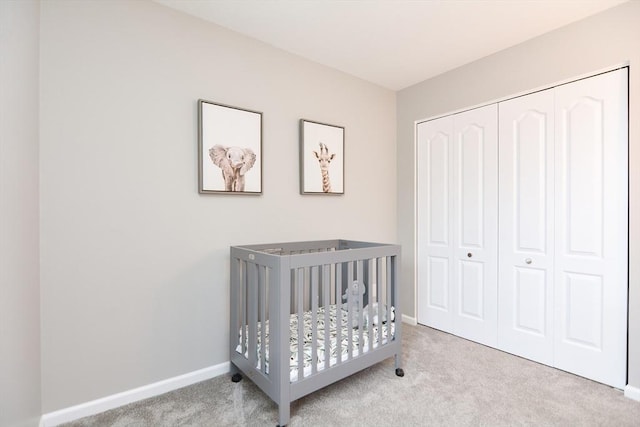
[{"x": 448, "y": 381}]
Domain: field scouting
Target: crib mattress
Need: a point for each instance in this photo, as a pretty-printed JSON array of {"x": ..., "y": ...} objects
[{"x": 346, "y": 342}]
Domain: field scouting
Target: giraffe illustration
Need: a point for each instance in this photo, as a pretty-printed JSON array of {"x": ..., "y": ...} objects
[{"x": 324, "y": 158}]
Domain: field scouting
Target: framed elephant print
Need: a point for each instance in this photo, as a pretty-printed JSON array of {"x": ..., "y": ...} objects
[
  {"x": 229, "y": 149},
  {"x": 321, "y": 158}
]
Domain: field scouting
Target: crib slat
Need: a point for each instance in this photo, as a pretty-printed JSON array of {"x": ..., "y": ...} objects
[
  {"x": 368, "y": 298},
  {"x": 243, "y": 307},
  {"x": 360, "y": 314},
  {"x": 370, "y": 301},
  {"x": 262, "y": 294},
  {"x": 326, "y": 272},
  {"x": 300, "y": 290},
  {"x": 390, "y": 300},
  {"x": 252, "y": 307},
  {"x": 339, "y": 324},
  {"x": 380, "y": 299},
  {"x": 314, "y": 319},
  {"x": 350, "y": 311}
]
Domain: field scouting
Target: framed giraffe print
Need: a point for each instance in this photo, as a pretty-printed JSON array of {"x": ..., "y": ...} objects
[
  {"x": 229, "y": 149},
  {"x": 321, "y": 158}
]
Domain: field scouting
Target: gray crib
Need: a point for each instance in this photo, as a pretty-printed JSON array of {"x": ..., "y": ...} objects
[{"x": 307, "y": 314}]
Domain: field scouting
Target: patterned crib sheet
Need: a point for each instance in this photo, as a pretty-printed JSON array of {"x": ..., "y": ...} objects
[{"x": 387, "y": 329}]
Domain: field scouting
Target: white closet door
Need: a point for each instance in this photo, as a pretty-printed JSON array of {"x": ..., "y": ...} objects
[
  {"x": 457, "y": 224},
  {"x": 475, "y": 222},
  {"x": 526, "y": 134},
  {"x": 591, "y": 217},
  {"x": 434, "y": 141}
]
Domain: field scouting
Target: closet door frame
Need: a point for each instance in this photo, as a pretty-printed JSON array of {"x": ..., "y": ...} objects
[{"x": 625, "y": 273}]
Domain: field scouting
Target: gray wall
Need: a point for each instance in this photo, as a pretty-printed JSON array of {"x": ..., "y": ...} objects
[
  {"x": 134, "y": 262},
  {"x": 601, "y": 41},
  {"x": 19, "y": 264}
]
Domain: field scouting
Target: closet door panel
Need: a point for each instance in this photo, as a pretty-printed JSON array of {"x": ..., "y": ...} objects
[
  {"x": 434, "y": 156},
  {"x": 526, "y": 134},
  {"x": 583, "y": 304},
  {"x": 470, "y": 159},
  {"x": 475, "y": 154},
  {"x": 582, "y": 146},
  {"x": 471, "y": 303},
  {"x": 438, "y": 279},
  {"x": 530, "y": 301},
  {"x": 438, "y": 190},
  {"x": 591, "y": 208}
]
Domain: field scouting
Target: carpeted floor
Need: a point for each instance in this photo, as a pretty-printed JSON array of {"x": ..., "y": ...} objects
[{"x": 448, "y": 381}]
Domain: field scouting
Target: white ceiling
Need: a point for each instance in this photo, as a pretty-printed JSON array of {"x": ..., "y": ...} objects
[{"x": 393, "y": 43}]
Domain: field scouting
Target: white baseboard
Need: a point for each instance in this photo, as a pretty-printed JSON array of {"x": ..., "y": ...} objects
[
  {"x": 100, "y": 405},
  {"x": 632, "y": 392},
  {"x": 409, "y": 320}
]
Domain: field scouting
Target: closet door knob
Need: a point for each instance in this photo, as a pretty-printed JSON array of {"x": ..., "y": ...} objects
[
  {"x": 469, "y": 254},
  {"x": 528, "y": 260}
]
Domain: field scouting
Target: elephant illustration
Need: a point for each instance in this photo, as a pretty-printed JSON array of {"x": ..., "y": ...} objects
[{"x": 234, "y": 162}]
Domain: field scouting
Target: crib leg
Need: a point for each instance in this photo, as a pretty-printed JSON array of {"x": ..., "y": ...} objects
[
  {"x": 236, "y": 376},
  {"x": 283, "y": 414},
  {"x": 399, "y": 370}
]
